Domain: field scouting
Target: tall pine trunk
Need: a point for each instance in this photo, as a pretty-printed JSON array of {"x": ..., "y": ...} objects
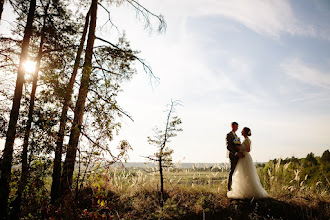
[
  {"x": 55, "y": 190},
  {"x": 25, "y": 168},
  {"x": 68, "y": 166},
  {"x": 7, "y": 156}
]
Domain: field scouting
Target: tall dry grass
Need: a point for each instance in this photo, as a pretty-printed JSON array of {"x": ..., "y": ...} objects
[
  {"x": 286, "y": 180},
  {"x": 200, "y": 192}
]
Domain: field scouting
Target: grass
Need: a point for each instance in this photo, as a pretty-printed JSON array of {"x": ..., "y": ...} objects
[{"x": 196, "y": 193}]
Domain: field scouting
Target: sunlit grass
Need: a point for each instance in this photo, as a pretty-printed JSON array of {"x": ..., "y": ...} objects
[
  {"x": 278, "y": 181},
  {"x": 191, "y": 193},
  {"x": 134, "y": 193}
]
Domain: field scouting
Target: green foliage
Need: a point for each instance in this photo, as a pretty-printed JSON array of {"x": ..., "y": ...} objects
[
  {"x": 111, "y": 67},
  {"x": 301, "y": 176},
  {"x": 325, "y": 159},
  {"x": 310, "y": 160},
  {"x": 36, "y": 192}
]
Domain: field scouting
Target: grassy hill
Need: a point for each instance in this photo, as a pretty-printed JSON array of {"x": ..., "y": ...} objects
[
  {"x": 190, "y": 194},
  {"x": 298, "y": 189}
]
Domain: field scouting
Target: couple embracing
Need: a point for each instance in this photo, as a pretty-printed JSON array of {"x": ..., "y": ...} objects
[{"x": 243, "y": 179}]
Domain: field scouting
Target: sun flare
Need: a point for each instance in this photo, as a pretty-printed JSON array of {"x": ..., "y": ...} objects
[{"x": 29, "y": 66}]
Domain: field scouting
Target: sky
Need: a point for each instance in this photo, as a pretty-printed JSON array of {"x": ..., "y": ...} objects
[{"x": 263, "y": 64}]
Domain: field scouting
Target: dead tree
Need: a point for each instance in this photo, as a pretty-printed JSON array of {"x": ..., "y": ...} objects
[{"x": 163, "y": 157}]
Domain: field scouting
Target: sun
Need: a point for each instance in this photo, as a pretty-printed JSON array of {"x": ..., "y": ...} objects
[{"x": 29, "y": 66}]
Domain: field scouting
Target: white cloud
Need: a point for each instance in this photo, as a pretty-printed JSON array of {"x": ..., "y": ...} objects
[
  {"x": 265, "y": 17},
  {"x": 298, "y": 70},
  {"x": 271, "y": 17}
]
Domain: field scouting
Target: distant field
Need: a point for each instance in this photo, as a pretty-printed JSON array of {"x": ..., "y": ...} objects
[
  {"x": 176, "y": 165},
  {"x": 190, "y": 177},
  {"x": 207, "y": 176}
]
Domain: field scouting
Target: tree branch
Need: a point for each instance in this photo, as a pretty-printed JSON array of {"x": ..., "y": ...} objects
[
  {"x": 109, "y": 102},
  {"x": 109, "y": 17},
  {"x": 147, "y": 68},
  {"x": 105, "y": 70},
  {"x": 145, "y": 12}
]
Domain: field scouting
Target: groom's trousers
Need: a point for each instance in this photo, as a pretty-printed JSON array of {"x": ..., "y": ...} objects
[{"x": 233, "y": 162}]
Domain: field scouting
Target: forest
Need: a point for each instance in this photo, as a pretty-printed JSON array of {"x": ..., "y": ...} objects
[{"x": 59, "y": 84}]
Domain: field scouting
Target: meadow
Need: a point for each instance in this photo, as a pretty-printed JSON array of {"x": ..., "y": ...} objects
[
  {"x": 297, "y": 188},
  {"x": 195, "y": 193}
]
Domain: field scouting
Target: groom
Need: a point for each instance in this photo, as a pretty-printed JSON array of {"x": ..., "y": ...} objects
[{"x": 234, "y": 154}]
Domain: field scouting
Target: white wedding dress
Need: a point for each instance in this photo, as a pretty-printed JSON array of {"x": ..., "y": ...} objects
[{"x": 246, "y": 183}]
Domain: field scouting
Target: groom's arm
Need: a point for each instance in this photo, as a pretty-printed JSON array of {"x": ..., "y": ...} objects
[{"x": 230, "y": 145}]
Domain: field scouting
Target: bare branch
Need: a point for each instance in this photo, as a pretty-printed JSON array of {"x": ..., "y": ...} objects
[
  {"x": 109, "y": 18},
  {"x": 145, "y": 13},
  {"x": 10, "y": 40},
  {"x": 105, "y": 70}
]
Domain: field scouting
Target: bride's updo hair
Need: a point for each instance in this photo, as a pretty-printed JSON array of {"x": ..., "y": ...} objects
[{"x": 247, "y": 131}]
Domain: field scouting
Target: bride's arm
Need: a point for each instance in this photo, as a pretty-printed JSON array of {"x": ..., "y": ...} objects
[
  {"x": 241, "y": 147},
  {"x": 245, "y": 146},
  {"x": 247, "y": 143}
]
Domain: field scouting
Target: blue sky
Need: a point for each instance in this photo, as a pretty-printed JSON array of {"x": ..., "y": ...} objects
[{"x": 262, "y": 63}]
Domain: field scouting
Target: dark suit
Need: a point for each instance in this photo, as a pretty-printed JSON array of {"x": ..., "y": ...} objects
[{"x": 231, "y": 147}]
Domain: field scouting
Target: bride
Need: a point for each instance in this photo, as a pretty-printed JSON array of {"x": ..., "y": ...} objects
[{"x": 246, "y": 182}]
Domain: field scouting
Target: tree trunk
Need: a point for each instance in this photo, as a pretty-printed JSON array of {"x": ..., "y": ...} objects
[
  {"x": 55, "y": 191},
  {"x": 2, "y": 2},
  {"x": 25, "y": 168},
  {"x": 69, "y": 163},
  {"x": 161, "y": 182},
  {"x": 7, "y": 157}
]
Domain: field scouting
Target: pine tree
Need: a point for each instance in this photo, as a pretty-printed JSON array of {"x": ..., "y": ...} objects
[
  {"x": 69, "y": 163},
  {"x": 7, "y": 156},
  {"x": 55, "y": 190}
]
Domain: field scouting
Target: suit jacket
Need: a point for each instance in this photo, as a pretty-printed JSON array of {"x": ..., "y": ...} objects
[{"x": 231, "y": 147}]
